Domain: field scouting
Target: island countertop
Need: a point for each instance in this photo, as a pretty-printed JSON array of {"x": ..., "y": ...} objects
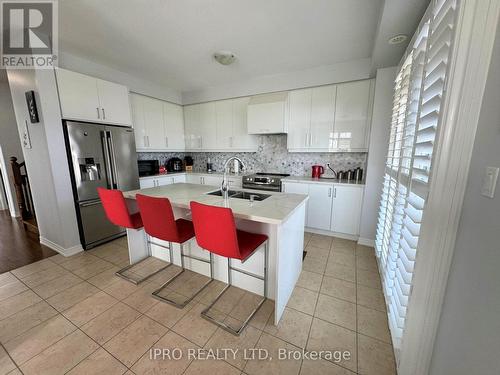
[{"x": 273, "y": 210}]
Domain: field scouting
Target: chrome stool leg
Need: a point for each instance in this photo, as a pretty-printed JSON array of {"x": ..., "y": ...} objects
[
  {"x": 157, "y": 293},
  {"x": 223, "y": 325},
  {"x": 121, "y": 273}
]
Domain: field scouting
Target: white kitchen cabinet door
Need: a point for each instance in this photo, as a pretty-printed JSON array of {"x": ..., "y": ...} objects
[
  {"x": 193, "y": 179},
  {"x": 322, "y": 117},
  {"x": 164, "y": 180},
  {"x": 224, "y": 120},
  {"x": 145, "y": 183},
  {"x": 352, "y": 116},
  {"x": 114, "y": 102},
  {"x": 153, "y": 120},
  {"x": 212, "y": 180},
  {"x": 208, "y": 126},
  {"x": 78, "y": 96},
  {"x": 179, "y": 178},
  {"x": 192, "y": 127},
  {"x": 299, "y": 121},
  {"x": 266, "y": 113},
  {"x": 234, "y": 182},
  {"x": 140, "y": 132},
  {"x": 297, "y": 188},
  {"x": 241, "y": 140},
  {"x": 173, "y": 126},
  {"x": 346, "y": 212},
  {"x": 319, "y": 210}
]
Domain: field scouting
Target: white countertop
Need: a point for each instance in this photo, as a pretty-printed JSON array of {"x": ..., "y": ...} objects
[
  {"x": 170, "y": 174},
  {"x": 273, "y": 210},
  {"x": 327, "y": 181}
]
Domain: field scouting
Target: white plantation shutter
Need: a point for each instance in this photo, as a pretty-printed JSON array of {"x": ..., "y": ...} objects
[{"x": 418, "y": 94}]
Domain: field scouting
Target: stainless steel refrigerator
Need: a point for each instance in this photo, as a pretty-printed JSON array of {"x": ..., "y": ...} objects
[{"x": 99, "y": 156}]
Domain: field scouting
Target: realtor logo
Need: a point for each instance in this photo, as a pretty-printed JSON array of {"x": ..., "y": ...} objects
[{"x": 29, "y": 34}]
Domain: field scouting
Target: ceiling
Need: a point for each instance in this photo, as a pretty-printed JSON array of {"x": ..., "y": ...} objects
[{"x": 171, "y": 42}]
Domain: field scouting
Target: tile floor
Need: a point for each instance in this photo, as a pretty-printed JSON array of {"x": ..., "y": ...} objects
[{"x": 73, "y": 315}]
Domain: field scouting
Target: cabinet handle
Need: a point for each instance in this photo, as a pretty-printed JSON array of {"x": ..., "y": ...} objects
[
  {"x": 329, "y": 192},
  {"x": 98, "y": 113},
  {"x": 103, "y": 114},
  {"x": 335, "y": 192},
  {"x": 166, "y": 141},
  {"x": 147, "y": 137},
  {"x": 230, "y": 141},
  {"x": 144, "y": 141},
  {"x": 201, "y": 142}
]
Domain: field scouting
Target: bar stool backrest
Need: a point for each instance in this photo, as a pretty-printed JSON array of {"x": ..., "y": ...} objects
[
  {"x": 215, "y": 229},
  {"x": 116, "y": 208},
  {"x": 158, "y": 218}
]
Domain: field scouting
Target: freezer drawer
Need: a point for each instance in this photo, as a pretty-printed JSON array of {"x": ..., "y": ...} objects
[{"x": 95, "y": 225}]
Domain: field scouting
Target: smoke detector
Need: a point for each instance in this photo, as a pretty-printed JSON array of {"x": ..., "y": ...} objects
[
  {"x": 224, "y": 57},
  {"x": 398, "y": 39}
]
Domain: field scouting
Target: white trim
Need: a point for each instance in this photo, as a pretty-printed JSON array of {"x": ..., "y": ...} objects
[
  {"x": 331, "y": 234},
  {"x": 475, "y": 33},
  {"x": 61, "y": 250},
  {"x": 366, "y": 242}
]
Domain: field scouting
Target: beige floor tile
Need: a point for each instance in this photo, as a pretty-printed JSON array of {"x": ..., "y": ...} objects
[
  {"x": 159, "y": 365},
  {"x": 104, "y": 279},
  {"x": 93, "y": 269},
  {"x": 6, "y": 364},
  {"x": 29, "y": 269},
  {"x": 163, "y": 276},
  {"x": 121, "y": 289},
  {"x": 375, "y": 357},
  {"x": 317, "y": 252},
  {"x": 343, "y": 258},
  {"x": 368, "y": 278},
  {"x": 78, "y": 261},
  {"x": 15, "y": 372},
  {"x": 89, "y": 308},
  {"x": 331, "y": 337},
  {"x": 342, "y": 242},
  {"x": 340, "y": 271},
  {"x": 213, "y": 366},
  {"x": 72, "y": 296},
  {"x": 107, "y": 250},
  {"x": 99, "y": 362},
  {"x": 338, "y": 288},
  {"x": 274, "y": 366},
  {"x": 58, "y": 258},
  {"x": 373, "y": 323},
  {"x": 194, "y": 327},
  {"x": 303, "y": 300},
  {"x": 261, "y": 317},
  {"x": 43, "y": 276},
  {"x": 314, "y": 265},
  {"x": 7, "y": 278},
  {"x": 310, "y": 280},
  {"x": 62, "y": 356},
  {"x": 131, "y": 343},
  {"x": 34, "y": 341},
  {"x": 367, "y": 263},
  {"x": 223, "y": 340},
  {"x": 229, "y": 300},
  {"x": 142, "y": 300},
  {"x": 336, "y": 311},
  {"x": 11, "y": 289},
  {"x": 24, "y": 320},
  {"x": 318, "y": 240},
  {"x": 370, "y": 297},
  {"x": 322, "y": 367},
  {"x": 167, "y": 314},
  {"x": 17, "y": 303},
  {"x": 362, "y": 250},
  {"x": 293, "y": 327},
  {"x": 109, "y": 323},
  {"x": 210, "y": 292},
  {"x": 53, "y": 287}
]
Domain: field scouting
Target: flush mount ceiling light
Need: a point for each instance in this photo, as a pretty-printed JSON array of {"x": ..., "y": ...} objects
[
  {"x": 398, "y": 39},
  {"x": 224, "y": 57}
]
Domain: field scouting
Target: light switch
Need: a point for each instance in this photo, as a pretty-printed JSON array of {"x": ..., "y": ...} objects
[{"x": 489, "y": 181}]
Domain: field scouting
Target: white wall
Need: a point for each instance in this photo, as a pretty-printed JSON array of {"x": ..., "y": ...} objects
[
  {"x": 468, "y": 337},
  {"x": 46, "y": 161},
  {"x": 341, "y": 72},
  {"x": 379, "y": 141},
  {"x": 81, "y": 65},
  {"x": 10, "y": 144}
]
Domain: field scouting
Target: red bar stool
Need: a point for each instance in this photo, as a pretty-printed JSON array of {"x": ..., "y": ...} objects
[
  {"x": 117, "y": 212},
  {"x": 159, "y": 222},
  {"x": 216, "y": 232}
]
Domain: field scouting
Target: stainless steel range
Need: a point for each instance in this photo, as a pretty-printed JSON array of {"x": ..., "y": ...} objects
[{"x": 264, "y": 181}]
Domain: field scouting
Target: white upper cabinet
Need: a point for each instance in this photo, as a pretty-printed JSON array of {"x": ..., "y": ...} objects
[
  {"x": 267, "y": 113},
  {"x": 353, "y": 116},
  {"x": 208, "y": 126},
  {"x": 241, "y": 140},
  {"x": 192, "y": 132},
  {"x": 330, "y": 118},
  {"x": 224, "y": 117},
  {"x": 158, "y": 125},
  {"x": 91, "y": 99}
]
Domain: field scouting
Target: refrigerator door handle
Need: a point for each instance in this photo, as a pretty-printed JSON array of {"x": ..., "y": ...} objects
[
  {"x": 107, "y": 164},
  {"x": 111, "y": 151}
]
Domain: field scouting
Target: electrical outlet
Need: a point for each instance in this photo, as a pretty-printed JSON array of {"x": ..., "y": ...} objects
[{"x": 489, "y": 181}]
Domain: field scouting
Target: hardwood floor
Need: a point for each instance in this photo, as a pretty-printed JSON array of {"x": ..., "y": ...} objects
[{"x": 17, "y": 246}]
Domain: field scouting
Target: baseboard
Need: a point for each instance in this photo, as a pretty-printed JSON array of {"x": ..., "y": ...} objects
[
  {"x": 331, "y": 234},
  {"x": 61, "y": 250},
  {"x": 366, "y": 242}
]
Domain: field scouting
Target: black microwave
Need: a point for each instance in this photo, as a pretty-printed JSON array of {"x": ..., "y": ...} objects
[{"x": 148, "y": 167}]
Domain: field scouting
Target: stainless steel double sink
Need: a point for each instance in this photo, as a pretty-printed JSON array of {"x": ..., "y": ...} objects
[{"x": 242, "y": 195}]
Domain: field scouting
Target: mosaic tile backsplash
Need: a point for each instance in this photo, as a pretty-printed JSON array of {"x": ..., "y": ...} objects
[{"x": 271, "y": 156}]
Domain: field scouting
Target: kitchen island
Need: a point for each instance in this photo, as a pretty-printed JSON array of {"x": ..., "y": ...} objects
[{"x": 281, "y": 217}]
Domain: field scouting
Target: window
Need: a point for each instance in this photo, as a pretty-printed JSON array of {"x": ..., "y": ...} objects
[{"x": 418, "y": 94}]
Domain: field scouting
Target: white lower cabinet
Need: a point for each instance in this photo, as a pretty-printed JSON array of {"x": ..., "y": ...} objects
[
  {"x": 149, "y": 182},
  {"x": 331, "y": 207}
]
